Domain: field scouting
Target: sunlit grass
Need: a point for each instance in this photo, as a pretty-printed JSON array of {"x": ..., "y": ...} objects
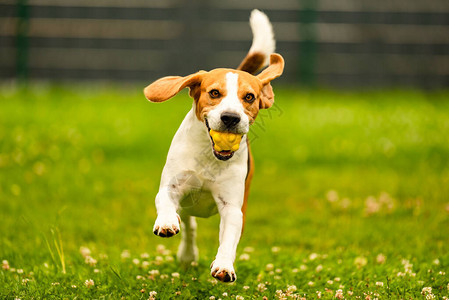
[{"x": 350, "y": 193}]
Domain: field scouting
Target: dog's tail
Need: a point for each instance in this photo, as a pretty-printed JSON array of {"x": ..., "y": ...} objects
[{"x": 263, "y": 43}]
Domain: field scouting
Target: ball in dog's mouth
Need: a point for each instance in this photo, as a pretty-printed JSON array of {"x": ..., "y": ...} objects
[{"x": 224, "y": 144}]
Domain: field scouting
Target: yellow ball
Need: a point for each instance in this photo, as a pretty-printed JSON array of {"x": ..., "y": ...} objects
[{"x": 225, "y": 141}]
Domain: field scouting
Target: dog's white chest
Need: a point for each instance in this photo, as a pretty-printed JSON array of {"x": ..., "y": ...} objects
[{"x": 195, "y": 199}]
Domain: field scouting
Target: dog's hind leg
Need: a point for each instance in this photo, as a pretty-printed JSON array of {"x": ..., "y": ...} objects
[{"x": 188, "y": 251}]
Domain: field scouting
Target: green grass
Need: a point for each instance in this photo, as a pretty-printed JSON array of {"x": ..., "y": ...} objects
[{"x": 351, "y": 189}]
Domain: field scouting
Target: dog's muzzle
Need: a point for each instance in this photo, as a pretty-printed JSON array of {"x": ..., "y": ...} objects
[{"x": 224, "y": 144}]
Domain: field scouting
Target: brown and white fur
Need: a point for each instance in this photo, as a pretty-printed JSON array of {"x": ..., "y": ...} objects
[{"x": 198, "y": 181}]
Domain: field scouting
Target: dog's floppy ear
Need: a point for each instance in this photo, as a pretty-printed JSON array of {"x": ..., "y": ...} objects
[
  {"x": 273, "y": 71},
  {"x": 167, "y": 87},
  {"x": 266, "y": 97}
]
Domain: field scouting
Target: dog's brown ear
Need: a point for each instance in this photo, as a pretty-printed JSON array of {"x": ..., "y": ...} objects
[
  {"x": 266, "y": 97},
  {"x": 167, "y": 87},
  {"x": 274, "y": 70}
]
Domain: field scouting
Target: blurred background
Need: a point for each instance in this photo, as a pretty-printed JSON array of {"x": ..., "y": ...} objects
[
  {"x": 345, "y": 43},
  {"x": 352, "y": 160}
]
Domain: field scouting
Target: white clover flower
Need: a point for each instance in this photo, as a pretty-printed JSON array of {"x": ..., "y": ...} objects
[
  {"x": 194, "y": 264},
  {"x": 248, "y": 249},
  {"x": 261, "y": 287},
  {"x": 291, "y": 288},
  {"x": 153, "y": 295},
  {"x": 280, "y": 295},
  {"x": 19, "y": 271},
  {"x": 303, "y": 267},
  {"x": 245, "y": 287},
  {"x": 337, "y": 279},
  {"x": 136, "y": 261},
  {"x": 379, "y": 283},
  {"x": 311, "y": 283},
  {"x": 25, "y": 281},
  {"x": 244, "y": 256},
  {"x": 350, "y": 293},
  {"x": 145, "y": 264},
  {"x": 380, "y": 258},
  {"x": 73, "y": 286},
  {"x": 436, "y": 262},
  {"x": 319, "y": 268},
  {"x": 55, "y": 283},
  {"x": 225, "y": 294},
  {"x": 278, "y": 270},
  {"x": 313, "y": 256},
  {"x": 163, "y": 276},
  {"x": 426, "y": 290},
  {"x": 330, "y": 282},
  {"x": 238, "y": 297},
  {"x": 318, "y": 294},
  {"x": 89, "y": 283},
  {"x": 85, "y": 251},
  {"x": 90, "y": 260},
  {"x": 360, "y": 261},
  {"x": 212, "y": 298},
  {"x": 96, "y": 271},
  {"x": 5, "y": 265},
  {"x": 275, "y": 249},
  {"x": 160, "y": 248},
  {"x": 125, "y": 254},
  {"x": 339, "y": 294},
  {"x": 154, "y": 272},
  {"x": 269, "y": 267},
  {"x": 175, "y": 275},
  {"x": 144, "y": 255},
  {"x": 332, "y": 196}
]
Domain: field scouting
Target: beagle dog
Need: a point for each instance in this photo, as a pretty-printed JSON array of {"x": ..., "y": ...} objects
[{"x": 202, "y": 176}]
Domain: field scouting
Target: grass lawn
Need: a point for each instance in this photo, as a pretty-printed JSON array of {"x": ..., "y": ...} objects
[{"x": 350, "y": 197}]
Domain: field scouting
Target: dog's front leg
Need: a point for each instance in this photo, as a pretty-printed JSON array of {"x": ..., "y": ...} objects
[
  {"x": 231, "y": 223},
  {"x": 167, "y": 221}
]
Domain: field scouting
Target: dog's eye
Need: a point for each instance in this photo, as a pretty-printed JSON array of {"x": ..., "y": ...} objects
[
  {"x": 250, "y": 98},
  {"x": 214, "y": 94}
]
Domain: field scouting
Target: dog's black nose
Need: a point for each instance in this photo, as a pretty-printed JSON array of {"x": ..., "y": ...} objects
[{"x": 230, "y": 119}]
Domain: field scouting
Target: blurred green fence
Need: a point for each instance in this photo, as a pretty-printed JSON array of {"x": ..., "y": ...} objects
[{"x": 345, "y": 43}]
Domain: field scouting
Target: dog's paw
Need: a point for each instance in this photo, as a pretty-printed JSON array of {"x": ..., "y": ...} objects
[
  {"x": 166, "y": 225},
  {"x": 223, "y": 270}
]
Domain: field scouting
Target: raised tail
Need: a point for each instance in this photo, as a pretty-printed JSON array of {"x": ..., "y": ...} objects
[{"x": 263, "y": 43}]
